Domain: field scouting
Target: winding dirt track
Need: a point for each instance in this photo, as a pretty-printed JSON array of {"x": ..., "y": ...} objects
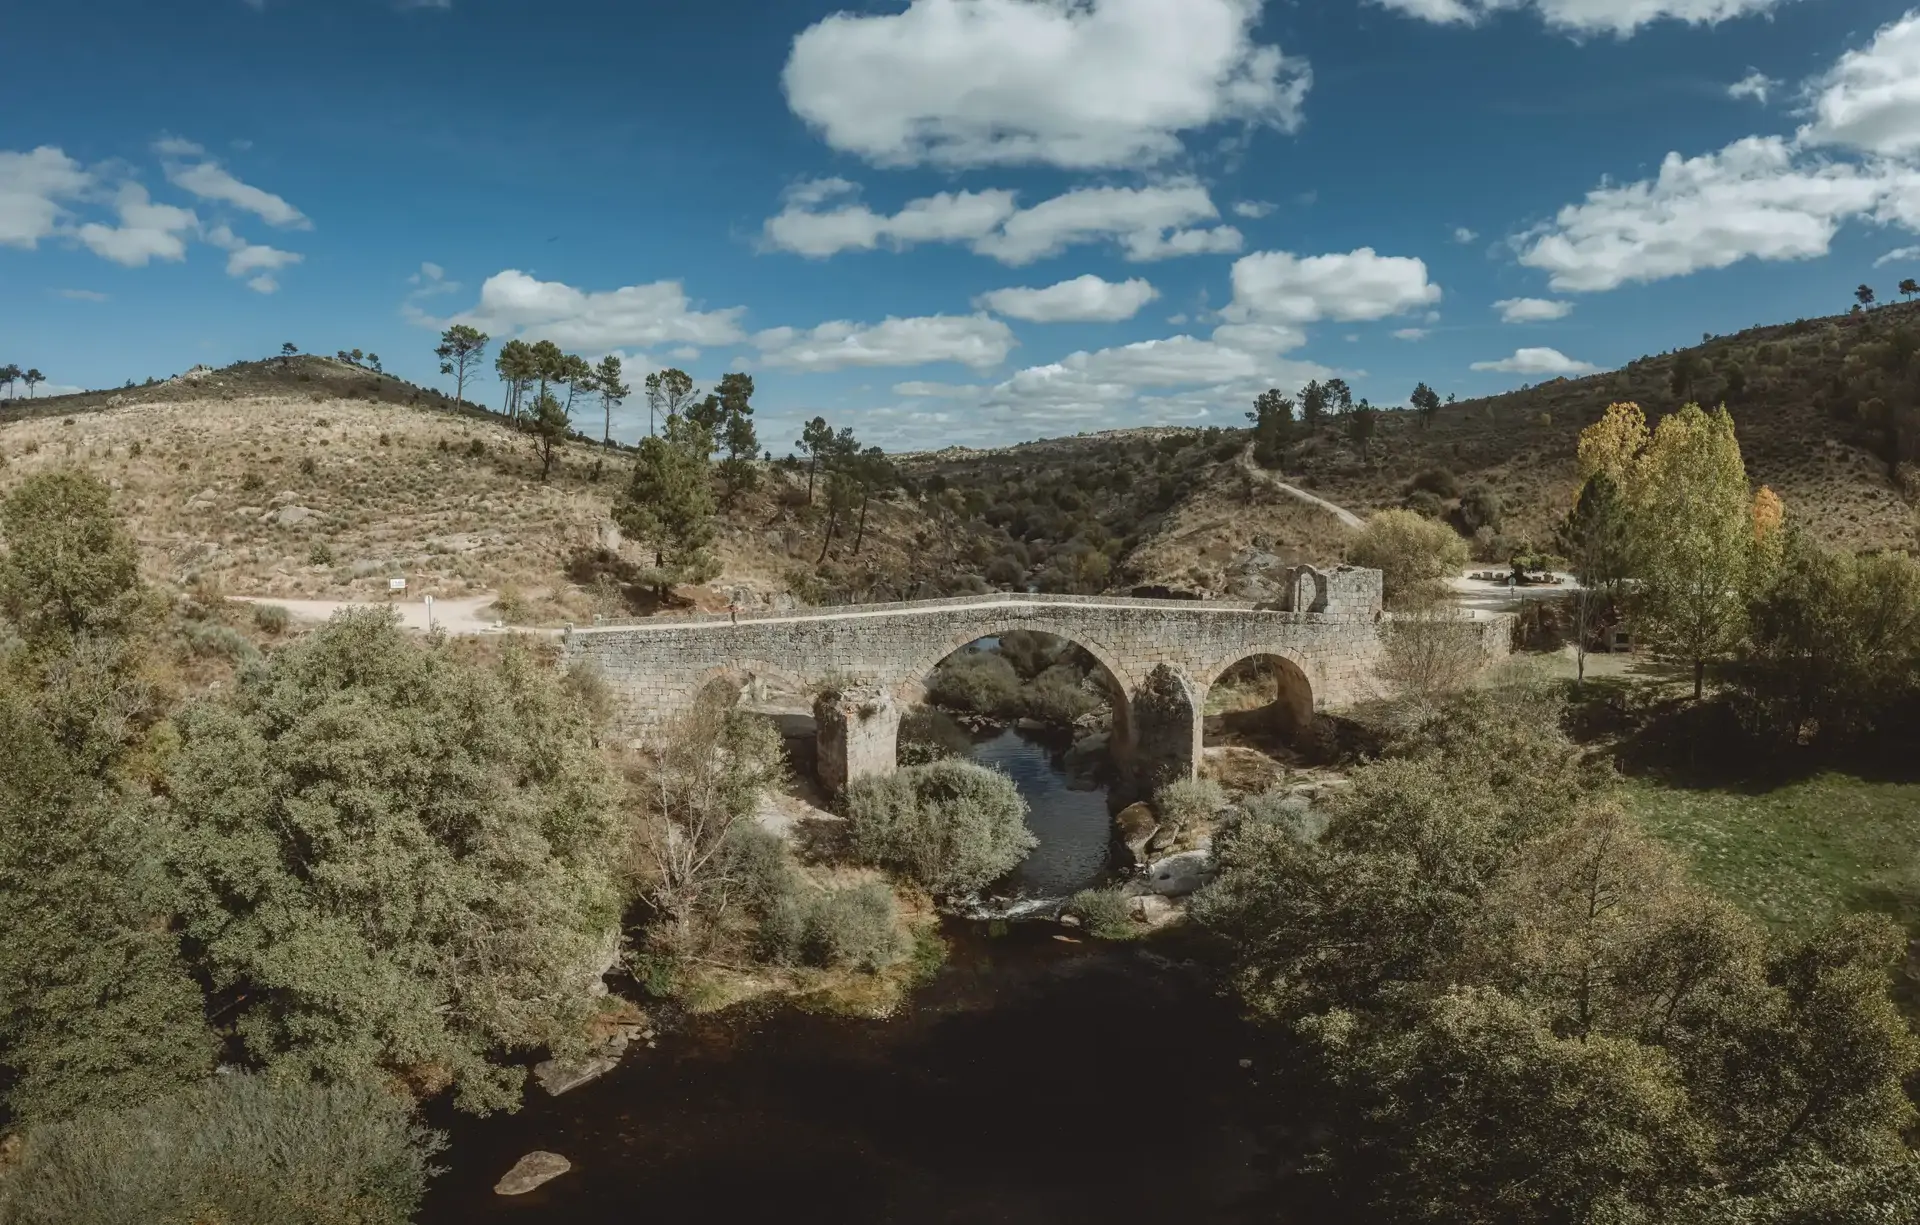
[{"x": 454, "y": 616}]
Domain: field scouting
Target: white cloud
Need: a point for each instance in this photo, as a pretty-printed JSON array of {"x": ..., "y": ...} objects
[
  {"x": 1463, "y": 236},
  {"x": 210, "y": 181},
  {"x": 431, "y": 281},
  {"x": 32, "y": 187},
  {"x": 1149, "y": 223},
  {"x": 1176, "y": 379},
  {"x": 1360, "y": 285},
  {"x": 263, "y": 284},
  {"x": 248, "y": 260},
  {"x": 1082, "y": 84},
  {"x": 147, "y": 231},
  {"x": 81, "y": 295},
  {"x": 972, "y": 340},
  {"x": 1410, "y": 334},
  {"x": 1532, "y": 310},
  {"x": 1750, "y": 200},
  {"x": 636, "y": 316},
  {"x": 1897, "y": 255},
  {"x": 1254, "y": 210},
  {"x": 1539, "y": 361},
  {"x": 1084, "y": 299},
  {"x": 1756, "y": 85},
  {"x": 1870, "y": 99},
  {"x": 1621, "y": 17}
]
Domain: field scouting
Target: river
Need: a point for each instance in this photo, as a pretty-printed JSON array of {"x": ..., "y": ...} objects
[{"x": 1039, "y": 1078}]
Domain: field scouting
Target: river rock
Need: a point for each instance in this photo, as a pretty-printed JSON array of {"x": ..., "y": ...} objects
[
  {"x": 1150, "y": 908},
  {"x": 531, "y": 1171},
  {"x": 1179, "y": 875},
  {"x": 558, "y": 1076},
  {"x": 1135, "y": 827}
]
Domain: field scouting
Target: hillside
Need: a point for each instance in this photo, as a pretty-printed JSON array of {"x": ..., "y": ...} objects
[
  {"x": 1828, "y": 413},
  {"x": 318, "y": 480},
  {"x": 313, "y": 478}
]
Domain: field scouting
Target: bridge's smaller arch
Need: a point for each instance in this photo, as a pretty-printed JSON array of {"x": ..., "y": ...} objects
[
  {"x": 1262, "y": 699},
  {"x": 754, "y": 685}
]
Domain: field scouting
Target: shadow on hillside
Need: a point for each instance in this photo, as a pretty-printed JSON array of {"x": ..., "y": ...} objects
[{"x": 604, "y": 571}]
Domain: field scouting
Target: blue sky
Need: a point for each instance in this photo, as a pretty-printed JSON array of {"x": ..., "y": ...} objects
[{"x": 954, "y": 221}]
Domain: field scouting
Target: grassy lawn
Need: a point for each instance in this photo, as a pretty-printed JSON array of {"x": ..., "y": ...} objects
[{"x": 1796, "y": 853}]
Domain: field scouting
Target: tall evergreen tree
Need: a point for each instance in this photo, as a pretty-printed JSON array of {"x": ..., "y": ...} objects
[
  {"x": 1272, "y": 418},
  {"x": 461, "y": 350},
  {"x": 1426, "y": 401},
  {"x": 669, "y": 393},
  {"x": 731, "y": 416},
  {"x": 607, "y": 381},
  {"x": 668, "y": 505},
  {"x": 815, "y": 441},
  {"x": 516, "y": 367},
  {"x": 549, "y": 423}
]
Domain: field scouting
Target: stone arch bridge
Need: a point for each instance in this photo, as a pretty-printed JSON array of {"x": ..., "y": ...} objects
[{"x": 1160, "y": 657}]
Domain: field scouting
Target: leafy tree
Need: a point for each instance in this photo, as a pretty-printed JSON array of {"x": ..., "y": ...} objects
[
  {"x": 816, "y": 440},
  {"x": 1909, "y": 287},
  {"x": 241, "y": 1147},
  {"x": 1688, "y": 369},
  {"x": 1426, "y": 401},
  {"x": 1362, "y": 424},
  {"x": 731, "y": 411},
  {"x": 1864, "y": 295},
  {"x": 549, "y": 424},
  {"x": 669, "y": 394},
  {"x": 669, "y": 502},
  {"x": 9, "y": 374},
  {"x": 1611, "y": 444},
  {"x": 1693, "y": 530},
  {"x": 872, "y": 473},
  {"x": 694, "y": 799},
  {"x": 1415, "y": 555},
  {"x": 951, "y": 826},
  {"x": 287, "y": 351},
  {"x": 70, "y": 568},
  {"x": 577, "y": 376},
  {"x": 373, "y": 363},
  {"x": 1313, "y": 404},
  {"x": 1596, "y": 538},
  {"x": 1339, "y": 397},
  {"x": 607, "y": 380},
  {"x": 1735, "y": 377},
  {"x": 396, "y": 859},
  {"x": 549, "y": 365},
  {"x": 461, "y": 350},
  {"x": 514, "y": 365},
  {"x": 32, "y": 378},
  {"x": 1272, "y": 418}
]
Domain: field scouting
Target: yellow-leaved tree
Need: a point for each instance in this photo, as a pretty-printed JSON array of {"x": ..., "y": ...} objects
[
  {"x": 1611, "y": 444},
  {"x": 1697, "y": 536}
]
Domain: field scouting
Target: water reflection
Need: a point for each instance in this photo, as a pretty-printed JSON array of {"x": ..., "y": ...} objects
[{"x": 1073, "y": 825}]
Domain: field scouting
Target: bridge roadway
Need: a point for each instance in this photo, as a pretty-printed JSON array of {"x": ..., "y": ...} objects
[{"x": 1160, "y": 657}]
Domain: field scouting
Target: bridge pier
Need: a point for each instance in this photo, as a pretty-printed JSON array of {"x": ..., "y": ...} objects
[
  {"x": 1166, "y": 740},
  {"x": 856, "y": 734}
]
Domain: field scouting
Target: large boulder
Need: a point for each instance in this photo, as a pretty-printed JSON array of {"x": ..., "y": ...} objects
[
  {"x": 1179, "y": 875},
  {"x": 1134, "y": 827},
  {"x": 532, "y": 1171},
  {"x": 559, "y": 1076}
]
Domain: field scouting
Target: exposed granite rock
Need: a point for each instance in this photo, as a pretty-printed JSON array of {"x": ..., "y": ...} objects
[{"x": 532, "y": 1170}]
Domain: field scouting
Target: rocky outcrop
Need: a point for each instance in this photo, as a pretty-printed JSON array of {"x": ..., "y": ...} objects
[
  {"x": 559, "y": 1076},
  {"x": 533, "y": 1170},
  {"x": 1134, "y": 828},
  {"x": 1180, "y": 875}
]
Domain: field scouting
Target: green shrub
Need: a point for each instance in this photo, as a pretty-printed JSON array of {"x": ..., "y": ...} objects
[
  {"x": 1059, "y": 696},
  {"x": 855, "y": 928},
  {"x": 928, "y": 734},
  {"x": 236, "y": 1149},
  {"x": 982, "y": 682},
  {"x": 1424, "y": 504},
  {"x": 307, "y": 466},
  {"x": 133, "y": 449},
  {"x": 271, "y": 618},
  {"x": 1104, "y": 914},
  {"x": 211, "y": 640},
  {"x": 1415, "y": 556},
  {"x": 1480, "y": 507},
  {"x": 1440, "y": 482},
  {"x": 251, "y": 482},
  {"x": 1188, "y": 800},
  {"x": 952, "y": 826}
]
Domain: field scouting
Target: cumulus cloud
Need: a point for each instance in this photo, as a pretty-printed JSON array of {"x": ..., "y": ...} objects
[
  {"x": 208, "y": 180},
  {"x": 1081, "y": 85},
  {"x": 1254, "y": 210},
  {"x": 1532, "y": 310},
  {"x": 1165, "y": 381},
  {"x": 972, "y": 340},
  {"x": 250, "y": 261},
  {"x": 636, "y": 315},
  {"x": 1410, "y": 334},
  {"x": 147, "y": 231},
  {"x": 431, "y": 281},
  {"x": 823, "y": 218},
  {"x": 1463, "y": 236},
  {"x": 33, "y": 188},
  {"x": 1898, "y": 255},
  {"x": 1755, "y": 85},
  {"x": 1621, "y": 17},
  {"x": 1084, "y": 299},
  {"x": 1751, "y": 200},
  {"x": 1279, "y": 286},
  {"x": 1870, "y": 99},
  {"x": 1539, "y": 361}
]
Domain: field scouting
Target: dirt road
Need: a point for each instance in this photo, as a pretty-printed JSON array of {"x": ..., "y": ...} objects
[
  {"x": 464, "y": 616},
  {"x": 1341, "y": 513}
]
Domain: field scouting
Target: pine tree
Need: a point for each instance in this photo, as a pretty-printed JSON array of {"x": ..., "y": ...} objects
[
  {"x": 1272, "y": 418},
  {"x": 612, "y": 391},
  {"x": 669, "y": 393},
  {"x": 461, "y": 350},
  {"x": 1426, "y": 401},
  {"x": 549, "y": 424},
  {"x": 668, "y": 505},
  {"x": 732, "y": 419}
]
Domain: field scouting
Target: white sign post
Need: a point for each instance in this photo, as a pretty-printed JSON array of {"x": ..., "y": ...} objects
[
  {"x": 429, "y": 600},
  {"x": 396, "y": 584}
]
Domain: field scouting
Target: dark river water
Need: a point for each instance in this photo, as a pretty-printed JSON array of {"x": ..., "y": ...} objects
[{"x": 1039, "y": 1078}]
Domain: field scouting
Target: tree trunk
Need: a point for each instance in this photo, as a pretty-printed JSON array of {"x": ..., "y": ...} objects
[
  {"x": 862, "y": 533},
  {"x": 606, "y": 438},
  {"x": 460, "y": 386},
  {"x": 833, "y": 522},
  {"x": 810, "y": 466},
  {"x": 1699, "y": 678}
]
